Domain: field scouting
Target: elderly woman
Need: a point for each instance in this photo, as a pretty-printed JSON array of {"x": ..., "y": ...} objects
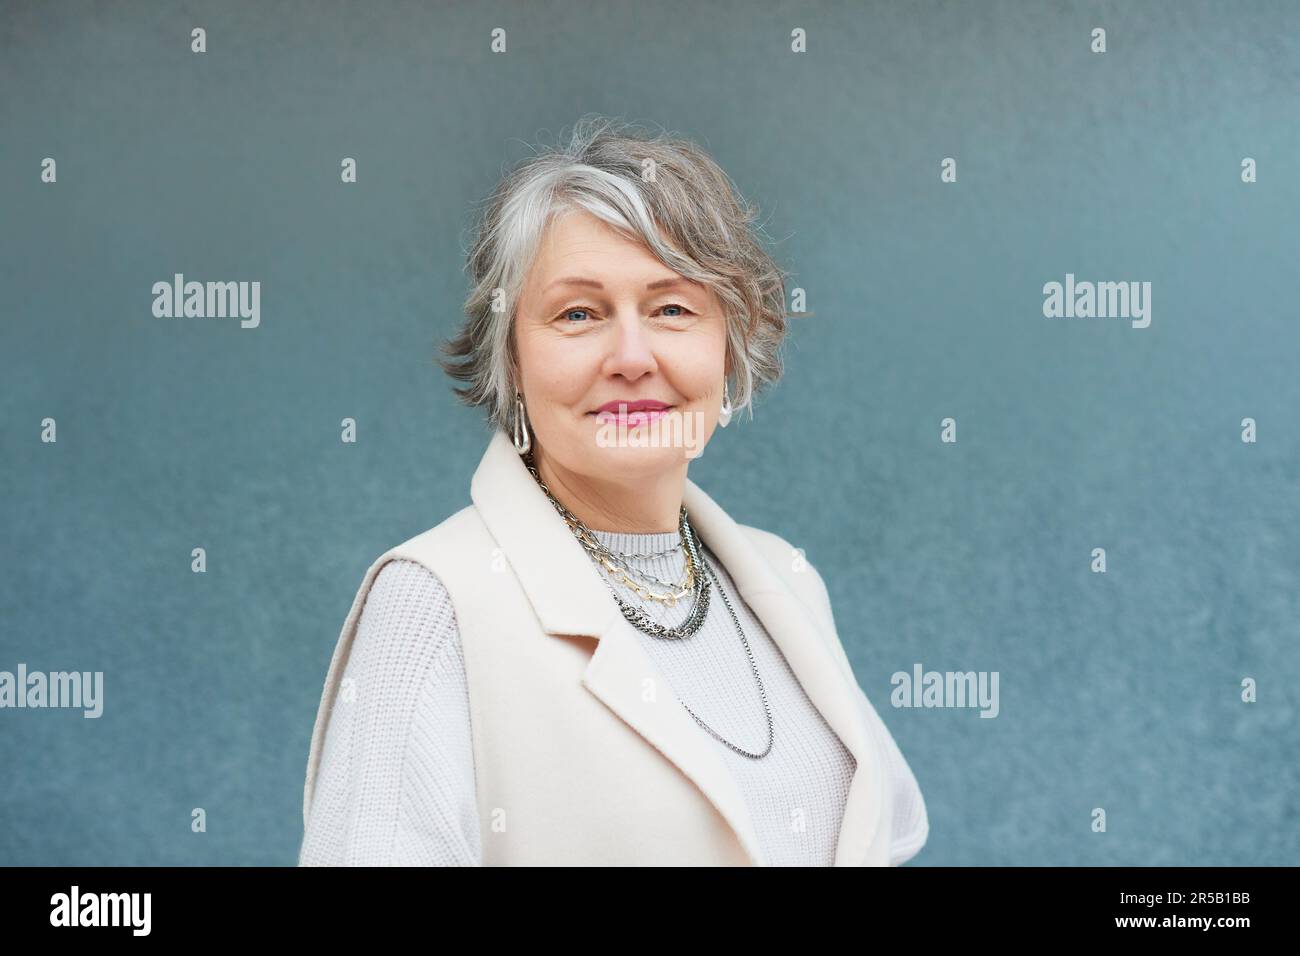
[{"x": 593, "y": 663}]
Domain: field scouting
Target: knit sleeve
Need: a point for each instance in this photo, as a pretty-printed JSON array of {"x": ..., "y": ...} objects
[
  {"x": 395, "y": 786},
  {"x": 910, "y": 827}
]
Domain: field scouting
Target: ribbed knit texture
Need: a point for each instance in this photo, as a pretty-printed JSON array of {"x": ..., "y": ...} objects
[
  {"x": 396, "y": 778},
  {"x": 395, "y": 785}
]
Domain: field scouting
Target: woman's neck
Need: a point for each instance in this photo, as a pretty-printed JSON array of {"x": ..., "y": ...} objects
[{"x": 646, "y": 506}]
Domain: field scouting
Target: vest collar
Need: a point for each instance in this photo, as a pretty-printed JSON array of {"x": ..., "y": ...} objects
[{"x": 570, "y": 598}]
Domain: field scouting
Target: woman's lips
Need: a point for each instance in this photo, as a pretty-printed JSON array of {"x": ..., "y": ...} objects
[{"x": 633, "y": 419}]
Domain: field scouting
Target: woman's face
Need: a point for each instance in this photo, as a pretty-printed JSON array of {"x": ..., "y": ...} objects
[{"x": 602, "y": 320}]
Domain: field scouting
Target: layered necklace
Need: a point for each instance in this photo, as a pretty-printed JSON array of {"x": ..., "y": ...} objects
[{"x": 697, "y": 582}]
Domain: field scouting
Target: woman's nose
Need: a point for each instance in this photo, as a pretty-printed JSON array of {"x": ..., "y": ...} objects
[{"x": 630, "y": 352}]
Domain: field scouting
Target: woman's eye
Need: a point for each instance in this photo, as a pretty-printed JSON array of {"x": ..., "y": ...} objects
[{"x": 579, "y": 314}]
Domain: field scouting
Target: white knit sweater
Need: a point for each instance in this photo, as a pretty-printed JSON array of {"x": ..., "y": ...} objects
[{"x": 395, "y": 784}]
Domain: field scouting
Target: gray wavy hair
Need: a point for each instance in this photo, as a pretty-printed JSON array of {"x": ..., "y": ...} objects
[{"x": 661, "y": 190}]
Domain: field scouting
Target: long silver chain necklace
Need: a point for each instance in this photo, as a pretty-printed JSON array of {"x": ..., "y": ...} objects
[
  {"x": 642, "y": 621},
  {"x": 753, "y": 665}
]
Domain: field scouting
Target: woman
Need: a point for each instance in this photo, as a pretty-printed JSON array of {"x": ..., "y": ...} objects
[{"x": 593, "y": 663}]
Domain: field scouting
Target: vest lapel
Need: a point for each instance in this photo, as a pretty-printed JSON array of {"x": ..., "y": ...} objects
[{"x": 570, "y": 598}]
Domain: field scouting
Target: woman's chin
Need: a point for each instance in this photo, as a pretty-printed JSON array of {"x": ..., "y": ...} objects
[{"x": 639, "y": 450}]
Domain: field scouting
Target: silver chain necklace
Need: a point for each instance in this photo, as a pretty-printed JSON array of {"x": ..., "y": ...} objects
[
  {"x": 753, "y": 665},
  {"x": 650, "y": 557},
  {"x": 625, "y": 559},
  {"x": 635, "y": 615},
  {"x": 642, "y": 621}
]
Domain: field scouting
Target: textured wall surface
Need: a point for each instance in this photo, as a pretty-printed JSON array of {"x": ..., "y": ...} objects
[{"x": 1119, "y": 690}]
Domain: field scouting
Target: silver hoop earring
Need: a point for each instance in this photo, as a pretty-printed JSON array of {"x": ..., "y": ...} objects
[
  {"x": 523, "y": 444},
  {"x": 724, "y": 416}
]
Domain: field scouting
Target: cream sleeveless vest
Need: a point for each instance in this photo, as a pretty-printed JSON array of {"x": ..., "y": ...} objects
[{"x": 582, "y": 754}]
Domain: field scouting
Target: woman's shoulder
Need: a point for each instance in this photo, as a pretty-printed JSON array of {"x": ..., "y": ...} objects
[
  {"x": 405, "y": 636},
  {"x": 462, "y": 529},
  {"x": 771, "y": 543},
  {"x": 794, "y": 567},
  {"x": 406, "y": 608},
  {"x": 408, "y": 583},
  {"x": 792, "y": 563}
]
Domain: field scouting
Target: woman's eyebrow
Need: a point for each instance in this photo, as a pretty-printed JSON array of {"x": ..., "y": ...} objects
[
  {"x": 592, "y": 283},
  {"x": 673, "y": 281},
  {"x": 573, "y": 280}
]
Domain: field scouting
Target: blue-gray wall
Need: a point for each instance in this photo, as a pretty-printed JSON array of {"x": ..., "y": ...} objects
[{"x": 1119, "y": 690}]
